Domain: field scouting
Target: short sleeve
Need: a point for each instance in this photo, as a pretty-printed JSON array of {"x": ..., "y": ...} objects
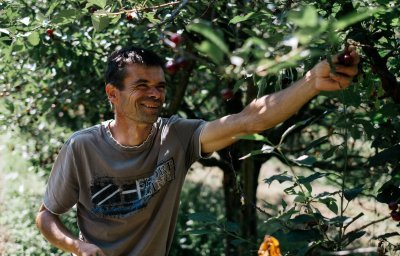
[
  {"x": 188, "y": 132},
  {"x": 62, "y": 190}
]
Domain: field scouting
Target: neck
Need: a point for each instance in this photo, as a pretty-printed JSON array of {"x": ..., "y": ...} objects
[{"x": 129, "y": 133}]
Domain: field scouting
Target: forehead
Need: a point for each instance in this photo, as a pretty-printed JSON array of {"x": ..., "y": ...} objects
[{"x": 154, "y": 74}]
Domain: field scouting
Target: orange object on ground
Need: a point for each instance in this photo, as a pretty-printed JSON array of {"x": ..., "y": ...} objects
[{"x": 269, "y": 247}]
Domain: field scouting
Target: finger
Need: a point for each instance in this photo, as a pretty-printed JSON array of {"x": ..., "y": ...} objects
[
  {"x": 341, "y": 80},
  {"x": 348, "y": 71}
]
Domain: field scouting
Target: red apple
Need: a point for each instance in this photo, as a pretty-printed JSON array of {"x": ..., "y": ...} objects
[
  {"x": 171, "y": 67},
  {"x": 345, "y": 58},
  {"x": 395, "y": 215},
  {"x": 227, "y": 93},
  {"x": 182, "y": 62},
  {"x": 393, "y": 206},
  {"x": 50, "y": 32},
  {"x": 176, "y": 38}
]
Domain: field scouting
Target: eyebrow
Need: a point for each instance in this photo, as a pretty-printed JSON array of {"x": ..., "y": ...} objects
[{"x": 139, "y": 81}]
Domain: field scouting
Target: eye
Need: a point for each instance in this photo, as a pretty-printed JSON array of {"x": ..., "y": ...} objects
[
  {"x": 141, "y": 86},
  {"x": 161, "y": 87}
]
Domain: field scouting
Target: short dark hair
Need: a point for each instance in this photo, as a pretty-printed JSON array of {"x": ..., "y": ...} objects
[{"x": 120, "y": 59}]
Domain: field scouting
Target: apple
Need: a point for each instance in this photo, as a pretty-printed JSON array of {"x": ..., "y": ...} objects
[
  {"x": 393, "y": 206},
  {"x": 171, "y": 67},
  {"x": 50, "y": 32},
  {"x": 345, "y": 58},
  {"x": 395, "y": 215},
  {"x": 227, "y": 93},
  {"x": 176, "y": 38}
]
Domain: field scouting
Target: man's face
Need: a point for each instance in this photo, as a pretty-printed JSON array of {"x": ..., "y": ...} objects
[{"x": 143, "y": 94}]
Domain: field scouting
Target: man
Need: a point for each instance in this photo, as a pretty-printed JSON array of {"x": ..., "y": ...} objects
[{"x": 125, "y": 175}]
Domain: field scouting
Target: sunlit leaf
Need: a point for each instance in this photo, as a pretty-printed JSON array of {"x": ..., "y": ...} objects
[
  {"x": 212, "y": 51},
  {"x": 305, "y": 160},
  {"x": 306, "y": 17},
  {"x": 266, "y": 149},
  {"x": 210, "y": 33},
  {"x": 100, "y": 3},
  {"x": 34, "y": 38},
  {"x": 330, "y": 202},
  {"x": 255, "y": 136},
  {"x": 67, "y": 16},
  {"x": 241, "y": 18},
  {"x": 100, "y": 22},
  {"x": 25, "y": 21},
  {"x": 356, "y": 17}
]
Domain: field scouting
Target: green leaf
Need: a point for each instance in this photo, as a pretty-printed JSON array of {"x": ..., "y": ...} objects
[
  {"x": 306, "y": 17},
  {"x": 241, "y": 18},
  {"x": 53, "y": 5},
  {"x": 232, "y": 227},
  {"x": 100, "y": 3},
  {"x": 204, "y": 217},
  {"x": 67, "y": 16},
  {"x": 212, "y": 51},
  {"x": 200, "y": 231},
  {"x": 338, "y": 220},
  {"x": 5, "y": 31},
  {"x": 385, "y": 156},
  {"x": 279, "y": 177},
  {"x": 100, "y": 22},
  {"x": 330, "y": 152},
  {"x": 353, "y": 235},
  {"x": 34, "y": 38},
  {"x": 151, "y": 17},
  {"x": 26, "y": 21},
  {"x": 291, "y": 128},
  {"x": 303, "y": 218},
  {"x": 205, "y": 29},
  {"x": 330, "y": 202},
  {"x": 256, "y": 137},
  {"x": 317, "y": 142},
  {"x": 312, "y": 177},
  {"x": 355, "y": 17},
  {"x": 305, "y": 160},
  {"x": 300, "y": 199},
  {"x": 266, "y": 149},
  {"x": 350, "y": 194}
]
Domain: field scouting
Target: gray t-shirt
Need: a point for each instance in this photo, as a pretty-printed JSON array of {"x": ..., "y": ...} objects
[{"x": 127, "y": 197}]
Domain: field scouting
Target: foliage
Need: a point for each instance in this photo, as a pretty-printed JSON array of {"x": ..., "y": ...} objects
[{"x": 53, "y": 56}]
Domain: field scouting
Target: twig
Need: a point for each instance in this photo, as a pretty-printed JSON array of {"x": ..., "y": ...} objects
[
  {"x": 174, "y": 13},
  {"x": 139, "y": 9},
  {"x": 371, "y": 223}
]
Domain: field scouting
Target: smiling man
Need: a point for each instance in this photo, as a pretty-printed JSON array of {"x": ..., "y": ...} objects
[{"x": 125, "y": 175}]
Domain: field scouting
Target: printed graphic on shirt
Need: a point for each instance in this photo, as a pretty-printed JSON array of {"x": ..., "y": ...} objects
[{"x": 117, "y": 197}]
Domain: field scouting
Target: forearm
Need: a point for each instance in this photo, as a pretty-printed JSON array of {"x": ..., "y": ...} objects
[
  {"x": 55, "y": 232},
  {"x": 270, "y": 110},
  {"x": 259, "y": 115}
]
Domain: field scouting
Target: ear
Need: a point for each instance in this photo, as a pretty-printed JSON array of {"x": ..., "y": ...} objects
[{"x": 112, "y": 92}]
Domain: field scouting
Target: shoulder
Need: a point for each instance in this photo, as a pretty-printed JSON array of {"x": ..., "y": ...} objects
[
  {"x": 85, "y": 135},
  {"x": 176, "y": 121}
]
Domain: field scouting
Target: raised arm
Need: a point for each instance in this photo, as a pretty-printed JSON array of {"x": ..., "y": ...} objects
[
  {"x": 57, "y": 234},
  {"x": 270, "y": 110}
]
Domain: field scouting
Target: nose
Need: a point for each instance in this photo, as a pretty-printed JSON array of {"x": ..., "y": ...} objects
[{"x": 154, "y": 92}]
